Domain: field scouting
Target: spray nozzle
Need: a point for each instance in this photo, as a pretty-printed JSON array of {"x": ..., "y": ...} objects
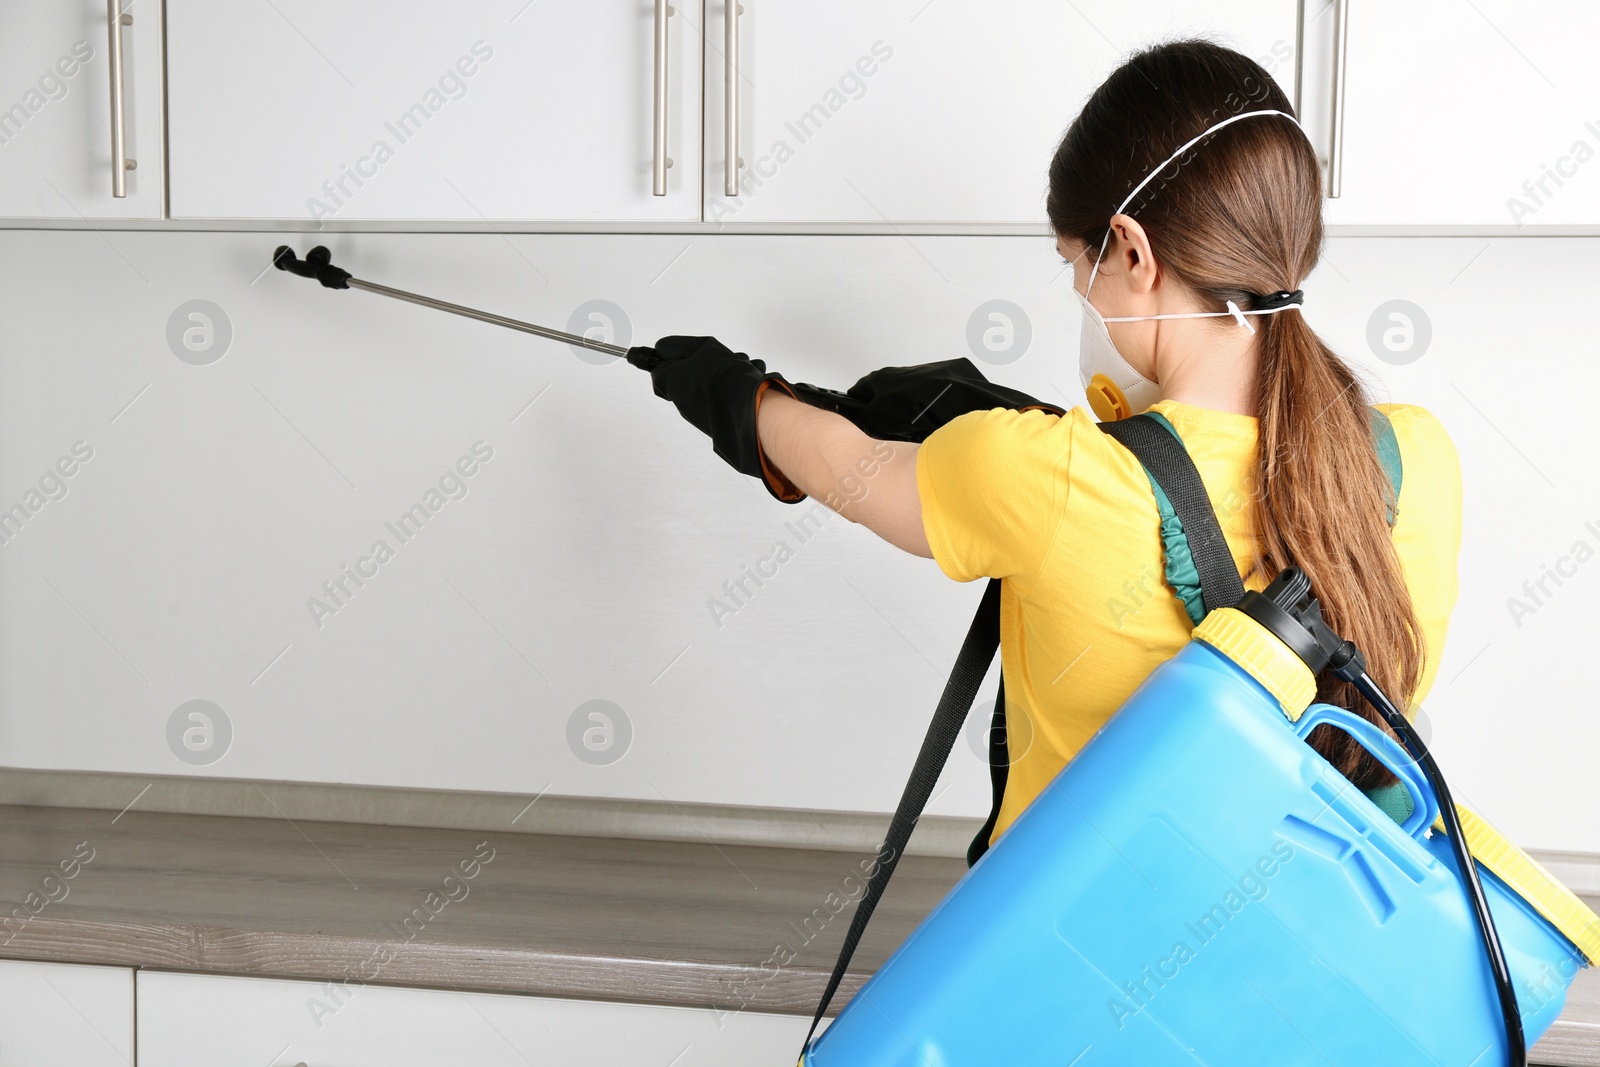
[{"x": 318, "y": 264}]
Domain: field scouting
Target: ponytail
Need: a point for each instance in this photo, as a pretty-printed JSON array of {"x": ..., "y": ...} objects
[{"x": 1322, "y": 504}]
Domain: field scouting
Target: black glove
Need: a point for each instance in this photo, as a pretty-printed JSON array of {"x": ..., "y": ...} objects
[
  {"x": 909, "y": 403},
  {"x": 715, "y": 390}
]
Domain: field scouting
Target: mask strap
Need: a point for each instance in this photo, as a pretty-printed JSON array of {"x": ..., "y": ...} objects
[
  {"x": 1184, "y": 148},
  {"x": 1233, "y": 310},
  {"x": 1190, "y": 143}
]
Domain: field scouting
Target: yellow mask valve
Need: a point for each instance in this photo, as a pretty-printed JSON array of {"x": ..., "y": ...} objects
[{"x": 1107, "y": 400}]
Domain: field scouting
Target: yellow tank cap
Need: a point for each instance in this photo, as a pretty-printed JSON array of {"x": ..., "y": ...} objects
[
  {"x": 1524, "y": 874},
  {"x": 1261, "y": 655}
]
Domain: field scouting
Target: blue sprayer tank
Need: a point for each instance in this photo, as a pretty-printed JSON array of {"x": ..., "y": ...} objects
[{"x": 1200, "y": 886}]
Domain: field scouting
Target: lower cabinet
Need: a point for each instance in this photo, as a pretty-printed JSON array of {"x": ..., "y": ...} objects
[
  {"x": 188, "y": 1020},
  {"x": 66, "y": 1013}
]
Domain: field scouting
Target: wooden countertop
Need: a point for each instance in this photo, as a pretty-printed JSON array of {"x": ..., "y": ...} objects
[
  {"x": 613, "y": 918},
  {"x": 610, "y": 918}
]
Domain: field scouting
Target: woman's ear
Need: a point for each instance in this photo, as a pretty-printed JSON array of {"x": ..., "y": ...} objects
[{"x": 1137, "y": 261}]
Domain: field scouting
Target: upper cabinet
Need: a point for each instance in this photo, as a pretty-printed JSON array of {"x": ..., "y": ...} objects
[
  {"x": 519, "y": 110},
  {"x": 1453, "y": 114},
  {"x": 75, "y": 80},
  {"x": 911, "y": 111},
  {"x": 1461, "y": 114}
]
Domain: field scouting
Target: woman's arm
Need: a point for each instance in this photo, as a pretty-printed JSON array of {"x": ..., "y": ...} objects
[{"x": 825, "y": 456}]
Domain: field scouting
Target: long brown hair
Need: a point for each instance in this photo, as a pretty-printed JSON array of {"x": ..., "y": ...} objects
[{"x": 1241, "y": 213}]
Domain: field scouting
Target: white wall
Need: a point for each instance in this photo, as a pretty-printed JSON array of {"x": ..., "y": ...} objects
[{"x": 579, "y": 564}]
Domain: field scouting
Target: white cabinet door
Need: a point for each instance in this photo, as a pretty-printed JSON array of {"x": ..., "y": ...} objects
[
  {"x": 65, "y": 1013},
  {"x": 911, "y": 111},
  {"x": 55, "y": 110},
  {"x": 504, "y": 110},
  {"x": 1467, "y": 114},
  {"x": 188, "y": 1020}
]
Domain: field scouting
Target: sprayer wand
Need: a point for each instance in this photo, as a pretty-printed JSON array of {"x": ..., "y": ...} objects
[{"x": 318, "y": 264}]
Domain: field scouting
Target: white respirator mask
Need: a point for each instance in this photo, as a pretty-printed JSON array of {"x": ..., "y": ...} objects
[{"x": 1115, "y": 389}]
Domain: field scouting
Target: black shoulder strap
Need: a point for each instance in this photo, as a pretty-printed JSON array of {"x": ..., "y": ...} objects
[
  {"x": 1169, "y": 464},
  {"x": 972, "y": 663},
  {"x": 999, "y": 768}
]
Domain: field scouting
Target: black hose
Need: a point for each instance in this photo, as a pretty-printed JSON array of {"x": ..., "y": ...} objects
[{"x": 1515, "y": 1038}]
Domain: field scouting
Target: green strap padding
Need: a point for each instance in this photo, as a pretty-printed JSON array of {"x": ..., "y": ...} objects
[
  {"x": 1394, "y": 800},
  {"x": 1181, "y": 574},
  {"x": 1388, "y": 447}
]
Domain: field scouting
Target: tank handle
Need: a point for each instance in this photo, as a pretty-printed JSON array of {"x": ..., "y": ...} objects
[{"x": 1387, "y": 751}]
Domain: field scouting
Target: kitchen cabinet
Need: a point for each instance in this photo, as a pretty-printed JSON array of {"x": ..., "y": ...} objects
[
  {"x": 56, "y": 110},
  {"x": 848, "y": 113},
  {"x": 906, "y": 112},
  {"x": 1462, "y": 114},
  {"x": 300, "y": 111},
  {"x": 923, "y": 112},
  {"x": 66, "y": 1013},
  {"x": 188, "y": 1020}
]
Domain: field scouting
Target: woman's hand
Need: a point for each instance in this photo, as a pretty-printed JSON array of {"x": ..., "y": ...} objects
[{"x": 717, "y": 391}]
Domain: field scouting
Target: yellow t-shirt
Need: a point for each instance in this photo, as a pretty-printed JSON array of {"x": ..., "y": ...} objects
[{"x": 1065, "y": 516}]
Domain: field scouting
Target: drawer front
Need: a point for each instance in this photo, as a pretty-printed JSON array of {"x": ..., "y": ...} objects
[
  {"x": 188, "y": 1020},
  {"x": 65, "y": 1013}
]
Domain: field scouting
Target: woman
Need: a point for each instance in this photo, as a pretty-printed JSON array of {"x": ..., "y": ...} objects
[{"x": 1196, "y": 276}]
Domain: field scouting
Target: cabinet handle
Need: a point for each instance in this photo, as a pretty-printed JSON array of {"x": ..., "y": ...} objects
[
  {"x": 730, "y": 94},
  {"x": 1341, "y": 34},
  {"x": 120, "y": 163},
  {"x": 660, "y": 162},
  {"x": 1299, "y": 54}
]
